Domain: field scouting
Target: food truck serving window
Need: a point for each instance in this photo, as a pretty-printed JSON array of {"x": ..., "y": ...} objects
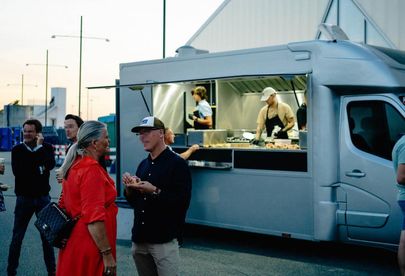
[
  {"x": 235, "y": 112},
  {"x": 243, "y": 116}
]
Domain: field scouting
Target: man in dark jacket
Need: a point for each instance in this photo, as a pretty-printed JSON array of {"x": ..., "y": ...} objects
[
  {"x": 31, "y": 162},
  {"x": 160, "y": 194}
]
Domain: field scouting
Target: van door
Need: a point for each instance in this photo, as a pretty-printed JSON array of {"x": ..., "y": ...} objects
[{"x": 370, "y": 126}]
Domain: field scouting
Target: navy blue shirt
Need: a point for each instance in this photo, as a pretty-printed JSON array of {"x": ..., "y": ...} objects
[
  {"x": 159, "y": 218},
  {"x": 31, "y": 169}
]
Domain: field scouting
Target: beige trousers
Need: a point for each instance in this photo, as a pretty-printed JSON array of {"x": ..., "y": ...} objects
[{"x": 156, "y": 259}]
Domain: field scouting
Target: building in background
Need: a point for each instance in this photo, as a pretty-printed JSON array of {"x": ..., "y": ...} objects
[
  {"x": 15, "y": 115},
  {"x": 240, "y": 24},
  {"x": 56, "y": 109}
]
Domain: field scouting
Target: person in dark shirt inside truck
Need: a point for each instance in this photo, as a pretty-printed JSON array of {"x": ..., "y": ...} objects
[
  {"x": 160, "y": 194},
  {"x": 31, "y": 163}
]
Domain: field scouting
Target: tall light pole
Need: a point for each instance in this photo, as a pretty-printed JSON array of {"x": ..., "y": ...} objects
[
  {"x": 22, "y": 87},
  {"x": 46, "y": 82},
  {"x": 46, "y": 88},
  {"x": 80, "y": 65},
  {"x": 164, "y": 28},
  {"x": 81, "y": 55}
]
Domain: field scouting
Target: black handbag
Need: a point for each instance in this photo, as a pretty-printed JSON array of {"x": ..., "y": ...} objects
[{"x": 54, "y": 224}]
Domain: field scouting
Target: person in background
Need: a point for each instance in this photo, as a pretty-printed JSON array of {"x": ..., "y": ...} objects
[
  {"x": 31, "y": 163},
  {"x": 398, "y": 159},
  {"x": 71, "y": 125},
  {"x": 89, "y": 194},
  {"x": 202, "y": 116},
  {"x": 273, "y": 114},
  {"x": 169, "y": 140},
  {"x": 302, "y": 114},
  {"x": 160, "y": 194},
  {"x": 2, "y": 187},
  {"x": 2, "y": 167},
  {"x": 357, "y": 140}
]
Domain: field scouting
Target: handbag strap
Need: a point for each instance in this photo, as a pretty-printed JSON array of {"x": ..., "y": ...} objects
[{"x": 64, "y": 210}]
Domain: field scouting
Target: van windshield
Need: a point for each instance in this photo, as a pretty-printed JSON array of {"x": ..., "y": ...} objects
[{"x": 375, "y": 126}]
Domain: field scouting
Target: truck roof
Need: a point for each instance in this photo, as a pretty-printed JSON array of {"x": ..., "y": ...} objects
[{"x": 334, "y": 63}]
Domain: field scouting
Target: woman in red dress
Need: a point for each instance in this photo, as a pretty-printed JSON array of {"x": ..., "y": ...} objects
[{"x": 89, "y": 194}]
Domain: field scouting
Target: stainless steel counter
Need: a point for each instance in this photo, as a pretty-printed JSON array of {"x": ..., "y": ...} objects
[{"x": 251, "y": 158}]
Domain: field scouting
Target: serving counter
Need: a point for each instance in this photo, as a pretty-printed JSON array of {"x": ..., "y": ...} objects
[{"x": 258, "y": 158}]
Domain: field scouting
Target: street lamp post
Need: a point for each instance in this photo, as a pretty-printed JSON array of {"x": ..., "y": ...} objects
[
  {"x": 81, "y": 55},
  {"x": 80, "y": 64},
  {"x": 46, "y": 88},
  {"x": 46, "y": 81},
  {"x": 164, "y": 28},
  {"x": 22, "y": 87}
]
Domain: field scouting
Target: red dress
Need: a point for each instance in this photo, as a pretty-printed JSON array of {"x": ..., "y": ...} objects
[{"x": 88, "y": 192}]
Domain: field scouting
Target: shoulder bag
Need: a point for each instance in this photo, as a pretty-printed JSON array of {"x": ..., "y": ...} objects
[{"x": 54, "y": 224}]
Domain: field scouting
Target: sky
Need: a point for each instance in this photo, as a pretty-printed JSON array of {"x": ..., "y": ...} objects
[{"x": 133, "y": 27}]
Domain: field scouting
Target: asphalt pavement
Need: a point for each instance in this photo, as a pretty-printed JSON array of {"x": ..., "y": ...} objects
[{"x": 211, "y": 251}]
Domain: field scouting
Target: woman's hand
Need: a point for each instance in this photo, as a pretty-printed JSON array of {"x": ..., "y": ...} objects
[{"x": 110, "y": 266}]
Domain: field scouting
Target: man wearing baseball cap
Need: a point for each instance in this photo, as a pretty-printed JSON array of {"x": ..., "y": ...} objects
[
  {"x": 274, "y": 114},
  {"x": 160, "y": 194}
]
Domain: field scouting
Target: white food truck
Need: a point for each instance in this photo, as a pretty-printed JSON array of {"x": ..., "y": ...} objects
[{"x": 335, "y": 182}]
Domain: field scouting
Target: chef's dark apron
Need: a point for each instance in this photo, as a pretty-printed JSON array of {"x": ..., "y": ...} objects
[
  {"x": 271, "y": 123},
  {"x": 197, "y": 125}
]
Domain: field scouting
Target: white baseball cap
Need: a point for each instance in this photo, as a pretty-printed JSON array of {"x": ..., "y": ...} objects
[
  {"x": 149, "y": 122},
  {"x": 267, "y": 92}
]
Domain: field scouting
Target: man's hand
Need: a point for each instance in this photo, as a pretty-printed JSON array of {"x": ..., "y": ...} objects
[
  {"x": 40, "y": 139},
  {"x": 194, "y": 147},
  {"x": 130, "y": 181},
  {"x": 280, "y": 133},
  {"x": 255, "y": 142},
  {"x": 146, "y": 187},
  {"x": 59, "y": 176},
  {"x": 134, "y": 182}
]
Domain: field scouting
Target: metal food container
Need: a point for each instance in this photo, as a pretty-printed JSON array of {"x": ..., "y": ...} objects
[
  {"x": 180, "y": 139},
  {"x": 205, "y": 137},
  {"x": 303, "y": 139}
]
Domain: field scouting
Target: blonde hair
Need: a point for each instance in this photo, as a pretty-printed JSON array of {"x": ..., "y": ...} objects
[
  {"x": 200, "y": 91},
  {"x": 88, "y": 132}
]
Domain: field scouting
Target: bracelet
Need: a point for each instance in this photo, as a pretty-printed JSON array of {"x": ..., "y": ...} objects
[{"x": 105, "y": 251}]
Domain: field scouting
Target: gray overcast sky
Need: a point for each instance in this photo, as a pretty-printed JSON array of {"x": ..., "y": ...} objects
[{"x": 134, "y": 28}]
